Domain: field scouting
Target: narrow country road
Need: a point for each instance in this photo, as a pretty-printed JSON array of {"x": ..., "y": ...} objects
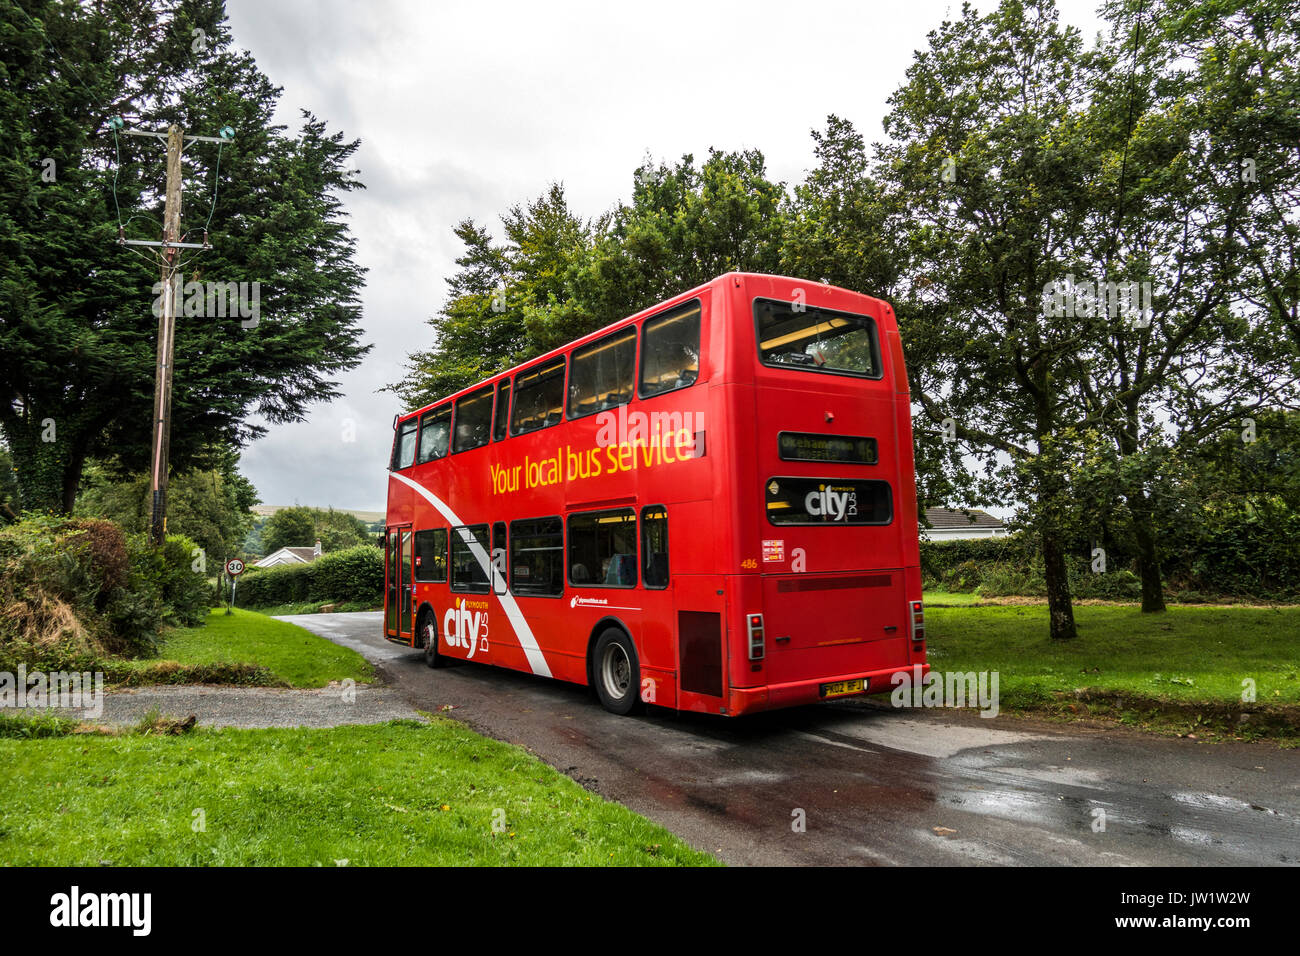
[{"x": 872, "y": 785}]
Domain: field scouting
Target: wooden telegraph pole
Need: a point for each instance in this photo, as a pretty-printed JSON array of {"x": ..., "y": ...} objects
[
  {"x": 162, "y": 401},
  {"x": 169, "y": 249}
]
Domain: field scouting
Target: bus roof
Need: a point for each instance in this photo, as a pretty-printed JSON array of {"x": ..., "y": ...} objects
[{"x": 627, "y": 320}]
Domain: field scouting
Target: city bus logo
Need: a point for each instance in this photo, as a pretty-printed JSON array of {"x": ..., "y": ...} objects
[
  {"x": 827, "y": 502},
  {"x": 466, "y": 628}
]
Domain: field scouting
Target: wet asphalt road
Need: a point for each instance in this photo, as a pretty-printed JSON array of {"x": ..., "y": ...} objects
[{"x": 873, "y": 785}]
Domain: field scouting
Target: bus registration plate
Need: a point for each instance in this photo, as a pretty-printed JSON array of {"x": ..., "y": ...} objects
[{"x": 840, "y": 688}]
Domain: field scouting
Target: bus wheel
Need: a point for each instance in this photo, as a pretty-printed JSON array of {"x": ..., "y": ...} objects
[
  {"x": 430, "y": 634},
  {"x": 617, "y": 672}
]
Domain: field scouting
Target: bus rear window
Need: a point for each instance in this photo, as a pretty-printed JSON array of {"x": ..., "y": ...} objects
[
  {"x": 791, "y": 335},
  {"x": 822, "y": 501},
  {"x": 539, "y": 397}
]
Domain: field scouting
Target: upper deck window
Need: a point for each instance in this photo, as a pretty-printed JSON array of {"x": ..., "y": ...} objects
[
  {"x": 435, "y": 431},
  {"x": 791, "y": 335},
  {"x": 473, "y": 420},
  {"x": 670, "y": 350},
  {"x": 601, "y": 374},
  {"x": 539, "y": 397},
  {"x": 404, "y": 445},
  {"x": 503, "y": 411}
]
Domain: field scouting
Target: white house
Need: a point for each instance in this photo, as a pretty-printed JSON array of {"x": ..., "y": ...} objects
[
  {"x": 289, "y": 556},
  {"x": 947, "y": 524}
]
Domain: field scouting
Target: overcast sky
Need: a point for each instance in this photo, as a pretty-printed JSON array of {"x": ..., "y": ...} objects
[{"x": 464, "y": 109}]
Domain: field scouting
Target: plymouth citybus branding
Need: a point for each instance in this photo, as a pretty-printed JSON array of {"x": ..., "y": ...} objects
[{"x": 709, "y": 506}]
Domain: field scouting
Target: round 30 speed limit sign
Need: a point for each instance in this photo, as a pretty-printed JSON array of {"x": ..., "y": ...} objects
[{"x": 234, "y": 567}]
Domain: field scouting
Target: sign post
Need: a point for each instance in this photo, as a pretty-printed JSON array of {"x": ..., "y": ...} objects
[{"x": 234, "y": 567}]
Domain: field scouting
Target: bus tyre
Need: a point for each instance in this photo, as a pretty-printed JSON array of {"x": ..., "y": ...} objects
[
  {"x": 429, "y": 631},
  {"x": 616, "y": 671}
]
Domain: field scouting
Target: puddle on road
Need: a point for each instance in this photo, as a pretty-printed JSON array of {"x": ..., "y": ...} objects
[{"x": 929, "y": 738}]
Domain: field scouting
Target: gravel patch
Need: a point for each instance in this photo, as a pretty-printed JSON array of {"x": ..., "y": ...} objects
[{"x": 340, "y": 703}]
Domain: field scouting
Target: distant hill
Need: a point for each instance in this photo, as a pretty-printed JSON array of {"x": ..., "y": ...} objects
[{"x": 265, "y": 511}]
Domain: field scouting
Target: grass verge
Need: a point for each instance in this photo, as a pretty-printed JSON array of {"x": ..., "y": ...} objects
[
  {"x": 404, "y": 793},
  {"x": 294, "y": 656},
  {"x": 1185, "y": 670}
]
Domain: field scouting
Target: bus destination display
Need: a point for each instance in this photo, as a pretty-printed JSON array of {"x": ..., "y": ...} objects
[{"x": 841, "y": 449}]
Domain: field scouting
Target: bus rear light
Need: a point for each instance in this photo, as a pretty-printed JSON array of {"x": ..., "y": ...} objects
[
  {"x": 918, "y": 622},
  {"x": 754, "y": 624}
]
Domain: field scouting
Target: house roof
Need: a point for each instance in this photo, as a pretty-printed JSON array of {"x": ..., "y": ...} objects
[
  {"x": 303, "y": 555},
  {"x": 949, "y": 518}
]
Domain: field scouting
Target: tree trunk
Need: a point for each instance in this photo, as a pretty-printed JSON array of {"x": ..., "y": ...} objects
[
  {"x": 1153, "y": 592},
  {"x": 72, "y": 480},
  {"x": 1060, "y": 608}
]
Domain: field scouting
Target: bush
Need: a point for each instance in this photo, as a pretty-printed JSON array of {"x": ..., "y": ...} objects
[
  {"x": 82, "y": 588},
  {"x": 182, "y": 579},
  {"x": 340, "y": 577},
  {"x": 1242, "y": 552},
  {"x": 1012, "y": 566},
  {"x": 942, "y": 559}
]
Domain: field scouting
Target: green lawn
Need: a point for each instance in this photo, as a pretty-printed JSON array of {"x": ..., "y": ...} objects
[
  {"x": 298, "y": 656},
  {"x": 1189, "y": 654},
  {"x": 401, "y": 793},
  {"x": 949, "y": 598}
]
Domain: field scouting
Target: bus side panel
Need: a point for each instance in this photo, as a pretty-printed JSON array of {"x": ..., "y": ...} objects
[
  {"x": 699, "y": 618},
  {"x": 654, "y": 636}
]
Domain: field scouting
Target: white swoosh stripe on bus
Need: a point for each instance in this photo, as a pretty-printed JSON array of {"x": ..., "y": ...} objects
[{"x": 516, "y": 618}]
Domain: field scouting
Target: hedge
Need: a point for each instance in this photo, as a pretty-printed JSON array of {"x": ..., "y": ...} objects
[
  {"x": 1251, "y": 559},
  {"x": 353, "y": 574}
]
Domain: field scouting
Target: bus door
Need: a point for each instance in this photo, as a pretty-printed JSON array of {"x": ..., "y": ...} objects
[{"x": 399, "y": 560}]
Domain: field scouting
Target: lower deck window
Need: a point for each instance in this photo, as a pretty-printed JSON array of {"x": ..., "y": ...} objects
[
  {"x": 431, "y": 555},
  {"x": 469, "y": 554},
  {"x": 602, "y": 549},
  {"x": 537, "y": 557}
]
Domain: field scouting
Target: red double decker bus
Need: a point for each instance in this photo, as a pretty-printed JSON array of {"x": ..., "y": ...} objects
[{"x": 708, "y": 506}]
